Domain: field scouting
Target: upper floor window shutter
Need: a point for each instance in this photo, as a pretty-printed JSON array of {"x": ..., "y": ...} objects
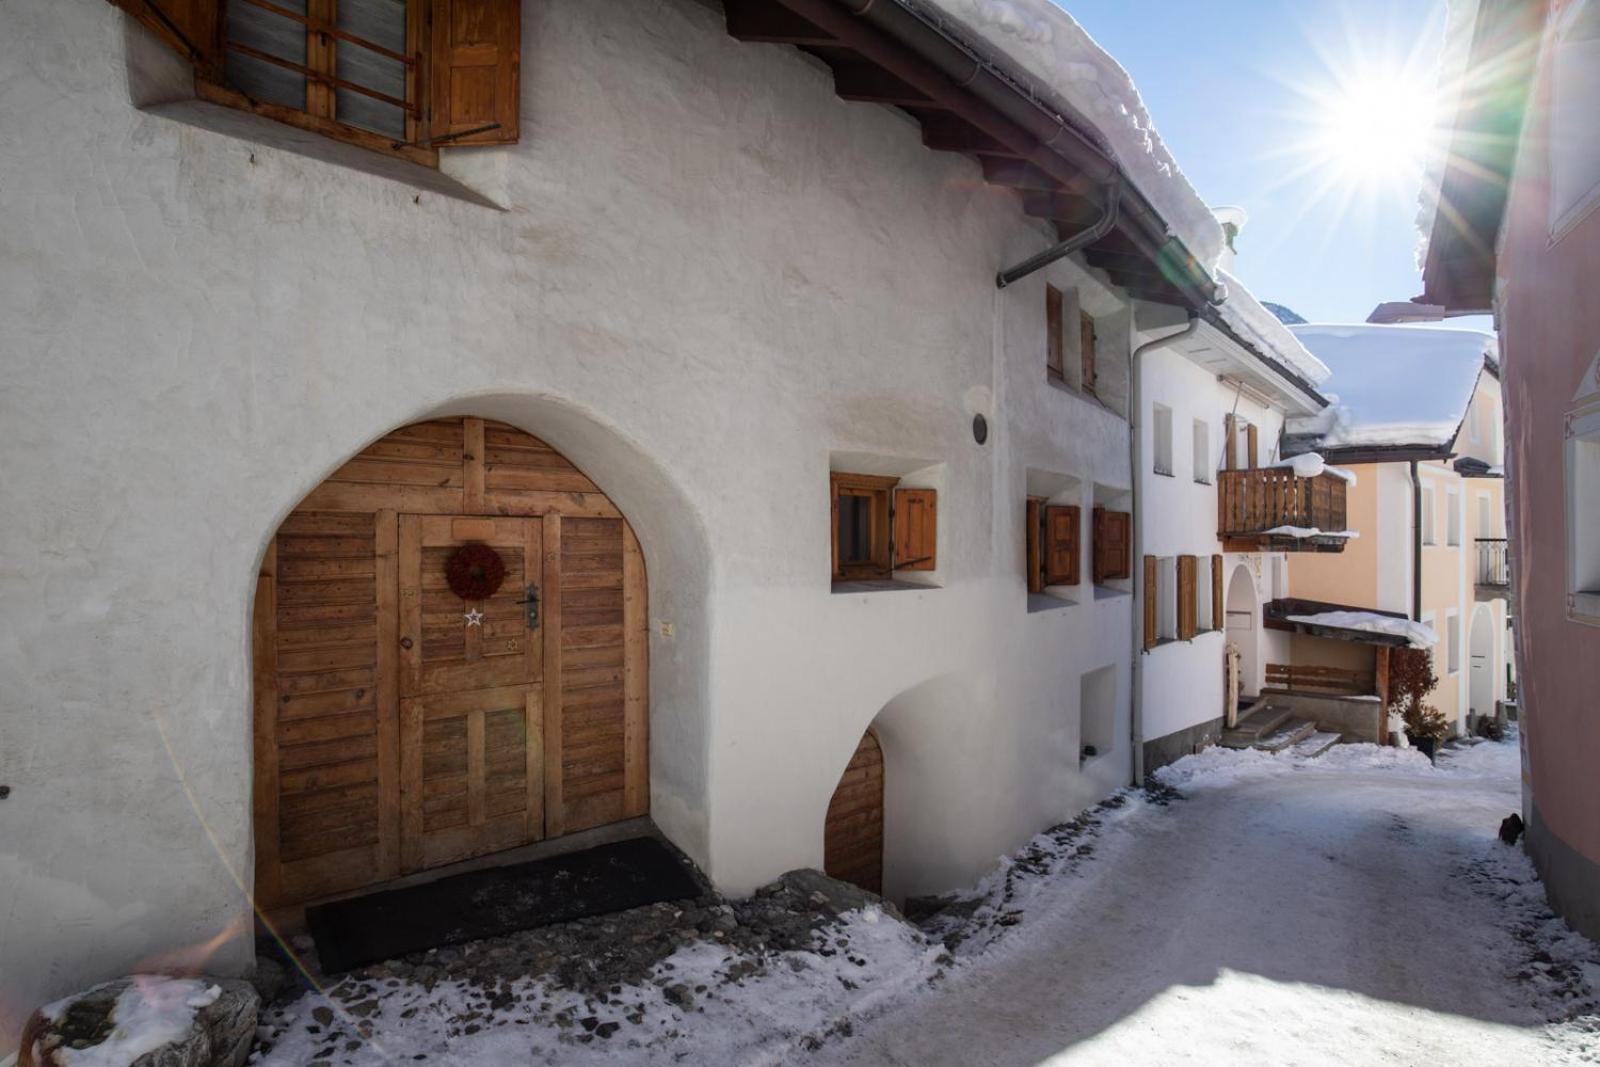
[
  {"x": 1250, "y": 436},
  {"x": 916, "y": 527},
  {"x": 476, "y": 54},
  {"x": 1086, "y": 345},
  {"x": 1054, "y": 344},
  {"x": 189, "y": 27},
  {"x": 1061, "y": 524},
  {"x": 1231, "y": 427},
  {"x": 1035, "y": 561},
  {"x": 1150, "y": 613},
  {"x": 1188, "y": 598},
  {"x": 1218, "y": 619},
  {"x": 1112, "y": 544}
]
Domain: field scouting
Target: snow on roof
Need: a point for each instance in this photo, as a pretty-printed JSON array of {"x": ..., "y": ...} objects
[
  {"x": 1454, "y": 59},
  {"x": 1393, "y": 385},
  {"x": 1417, "y": 634},
  {"x": 1043, "y": 42}
]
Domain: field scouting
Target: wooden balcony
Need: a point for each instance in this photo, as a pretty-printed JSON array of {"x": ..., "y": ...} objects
[{"x": 1253, "y": 503}]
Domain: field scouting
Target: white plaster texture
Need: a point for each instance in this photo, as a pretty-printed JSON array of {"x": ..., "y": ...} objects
[{"x": 711, "y": 274}]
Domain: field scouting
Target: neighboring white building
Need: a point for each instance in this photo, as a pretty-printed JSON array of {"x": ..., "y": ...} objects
[{"x": 273, "y": 340}]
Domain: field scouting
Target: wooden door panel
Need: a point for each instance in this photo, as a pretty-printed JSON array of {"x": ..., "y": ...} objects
[
  {"x": 442, "y": 650},
  {"x": 472, "y": 773},
  {"x": 852, "y": 842}
]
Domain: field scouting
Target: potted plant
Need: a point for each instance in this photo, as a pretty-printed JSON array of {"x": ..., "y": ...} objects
[{"x": 1411, "y": 679}]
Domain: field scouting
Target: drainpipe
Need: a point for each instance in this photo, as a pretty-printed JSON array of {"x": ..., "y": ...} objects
[
  {"x": 1136, "y": 549},
  {"x": 1081, "y": 239},
  {"x": 1416, "y": 542}
]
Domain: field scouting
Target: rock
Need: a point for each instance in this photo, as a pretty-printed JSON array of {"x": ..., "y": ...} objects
[
  {"x": 323, "y": 1014},
  {"x": 214, "y": 1018},
  {"x": 269, "y": 979},
  {"x": 1511, "y": 828},
  {"x": 835, "y": 896}
]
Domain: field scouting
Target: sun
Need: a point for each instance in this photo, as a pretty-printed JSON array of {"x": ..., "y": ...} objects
[{"x": 1373, "y": 125}]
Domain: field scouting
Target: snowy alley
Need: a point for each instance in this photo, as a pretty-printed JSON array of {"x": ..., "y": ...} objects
[{"x": 1351, "y": 909}]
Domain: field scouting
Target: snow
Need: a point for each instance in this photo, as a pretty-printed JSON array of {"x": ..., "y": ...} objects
[
  {"x": 152, "y": 1012},
  {"x": 1303, "y": 532},
  {"x": 1311, "y": 465},
  {"x": 1393, "y": 385},
  {"x": 1248, "y": 318},
  {"x": 1454, "y": 57},
  {"x": 1419, "y": 635},
  {"x": 1350, "y": 908}
]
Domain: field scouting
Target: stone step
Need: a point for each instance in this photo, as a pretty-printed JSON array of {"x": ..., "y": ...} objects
[
  {"x": 1315, "y": 745},
  {"x": 1292, "y": 734},
  {"x": 1261, "y": 722}
]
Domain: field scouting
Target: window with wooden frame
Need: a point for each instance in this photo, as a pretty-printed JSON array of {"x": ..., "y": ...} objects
[
  {"x": 1186, "y": 606},
  {"x": 1218, "y": 615},
  {"x": 1086, "y": 350},
  {"x": 1055, "y": 340},
  {"x": 1113, "y": 545},
  {"x": 1054, "y": 541},
  {"x": 1241, "y": 431},
  {"x": 879, "y": 528},
  {"x": 403, "y": 77}
]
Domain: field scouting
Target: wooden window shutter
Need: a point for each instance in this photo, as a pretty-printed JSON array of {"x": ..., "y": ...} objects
[
  {"x": 1150, "y": 583},
  {"x": 475, "y": 87},
  {"x": 1231, "y": 428},
  {"x": 190, "y": 27},
  {"x": 1250, "y": 436},
  {"x": 1218, "y": 617},
  {"x": 1113, "y": 544},
  {"x": 1061, "y": 525},
  {"x": 1034, "y": 522},
  {"x": 1188, "y": 598},
  {"x": 1086, "y": 346},
  {"x": 1055, "y": 342},
  {"x": 916, "y": 526}
]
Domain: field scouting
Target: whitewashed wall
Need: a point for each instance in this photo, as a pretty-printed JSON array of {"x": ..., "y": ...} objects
[{"x": 712, "y": 275}]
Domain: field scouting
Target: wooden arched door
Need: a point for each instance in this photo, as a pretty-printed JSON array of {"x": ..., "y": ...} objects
[
  {"x": 852, "y": 839},
  {"x": 399, "y": 727}
]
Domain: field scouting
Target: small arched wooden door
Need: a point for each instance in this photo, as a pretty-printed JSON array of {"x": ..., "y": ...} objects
[
  {"x": 852, "y": 839},
  {"x": 399, "y": 727}
]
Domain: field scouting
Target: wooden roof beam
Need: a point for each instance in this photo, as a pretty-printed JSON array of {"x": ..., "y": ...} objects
[
  {"x": 869, "y": 83},
  {"x": 761, "y": 21}
]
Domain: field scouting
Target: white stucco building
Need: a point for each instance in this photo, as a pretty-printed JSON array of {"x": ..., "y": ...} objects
[{"x": 257, "y": 350}]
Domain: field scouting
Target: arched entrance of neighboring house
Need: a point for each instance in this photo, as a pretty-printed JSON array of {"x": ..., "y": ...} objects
[
  {"x": 400, "y": 725},
  {"x": 1480, "y": 694},
  {"x": 852, "y": 838},
  {"x": 1243, "y": 617}
]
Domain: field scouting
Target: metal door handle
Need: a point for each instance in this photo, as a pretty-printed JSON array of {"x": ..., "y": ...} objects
[{"x": 532, "y": 601}]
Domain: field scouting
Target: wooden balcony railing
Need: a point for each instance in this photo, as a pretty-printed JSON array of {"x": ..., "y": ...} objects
[
  {"x": 1252, "y": 502},
  {"x": 1493, "y": 567},
  {"x": 1303, "y": 679}
]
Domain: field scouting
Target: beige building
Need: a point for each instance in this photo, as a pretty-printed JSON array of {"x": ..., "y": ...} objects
[{"x": 1417, "y": 420}]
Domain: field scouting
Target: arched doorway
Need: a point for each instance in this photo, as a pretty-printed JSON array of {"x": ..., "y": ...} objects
[
  {"x": 1481, "y": 689},
  {"x": 400, "y": 726},
  {"x": 852, "y": 838},
  {"x": 1244, "y": 628}
]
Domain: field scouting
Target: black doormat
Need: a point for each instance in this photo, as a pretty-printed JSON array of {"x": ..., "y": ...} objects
[{"x": 501, "y": 900}]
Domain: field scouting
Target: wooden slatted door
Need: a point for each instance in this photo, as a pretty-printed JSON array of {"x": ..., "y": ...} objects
[
  {"x": 471, "y": 708},
  {"x": 852, "y": 839}
]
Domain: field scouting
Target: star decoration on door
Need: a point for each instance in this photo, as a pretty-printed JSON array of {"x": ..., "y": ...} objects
[{"x": 474, "y": 617}]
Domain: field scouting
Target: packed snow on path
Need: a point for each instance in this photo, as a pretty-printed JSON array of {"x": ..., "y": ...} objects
[{"x": 1249, "y": 909}]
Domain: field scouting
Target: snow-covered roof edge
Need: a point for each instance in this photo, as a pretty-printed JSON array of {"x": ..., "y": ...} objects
[
  {"x": 1254, "y": 323},
  {"x": 1460, "y": 23}
]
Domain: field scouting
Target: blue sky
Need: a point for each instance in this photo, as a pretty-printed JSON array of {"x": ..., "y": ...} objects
[{"x": 1229, "y": 83}]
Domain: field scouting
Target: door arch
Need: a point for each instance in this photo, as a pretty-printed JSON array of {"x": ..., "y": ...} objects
[
  {"x": 399, "y": 727},
  {"x": 1481, "y": 686},
  {"x": 852, "y": 837},
  {"x": 1244, "y": 627}
]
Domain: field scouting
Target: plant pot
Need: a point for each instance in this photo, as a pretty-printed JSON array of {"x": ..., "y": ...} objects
[{"x": 1426, "y": 745}]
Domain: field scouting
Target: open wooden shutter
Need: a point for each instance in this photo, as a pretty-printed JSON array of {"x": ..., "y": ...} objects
[
  {"x": 1150, "y": 614},
  {"x": 916, "y": 527},
  {"x": 1230, "y": 426},
  {"x": 1112, "y": 544},
  {"x": 189, "y": 27},
  {"x": 476, "y": 52},
  {"x": 1218, "y": 618},
  {"x": 1061, "y": 539},
  {"x": 1054, "y": 344},
  {"x": 1086, "y": 346},
  {"x": 1188, "y": 598},
  {"x": 1250, "y": 436},
  {"x": 1034, "y": 523}
]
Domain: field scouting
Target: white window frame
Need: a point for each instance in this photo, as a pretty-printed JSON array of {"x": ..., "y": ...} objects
[
  {"x": 1202, "y": 452},
  {"x": 1204, "y": 619},
  {"x": 1452, "y": 517},
  {"x": 1161, "y": 440},
  {"x": 1582, "y": 485},
  {"x": 1430, "y": 533},
  {"x": 1452, "y": 641},
  {"x": 1166, "y": 599},
  {"x": 1427, "y": 620},
  {"x": 1574, "y": 86}
]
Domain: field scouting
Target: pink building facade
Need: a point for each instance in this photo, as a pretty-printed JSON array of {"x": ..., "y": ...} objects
[{"x": 1518, "y": 233}]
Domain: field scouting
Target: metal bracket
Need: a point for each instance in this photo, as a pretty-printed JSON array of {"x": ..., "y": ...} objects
[{"x": 531, "y": 599}]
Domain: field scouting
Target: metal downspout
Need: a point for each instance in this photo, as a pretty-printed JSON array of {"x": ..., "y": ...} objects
[
  {"x": 1136, "y": 549},
  {"x": 1081, "y": 239},
  {"x": 1416, "y": 542}
]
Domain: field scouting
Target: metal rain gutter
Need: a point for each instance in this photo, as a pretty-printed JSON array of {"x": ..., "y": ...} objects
[{"x": 1082, "y": 239}]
